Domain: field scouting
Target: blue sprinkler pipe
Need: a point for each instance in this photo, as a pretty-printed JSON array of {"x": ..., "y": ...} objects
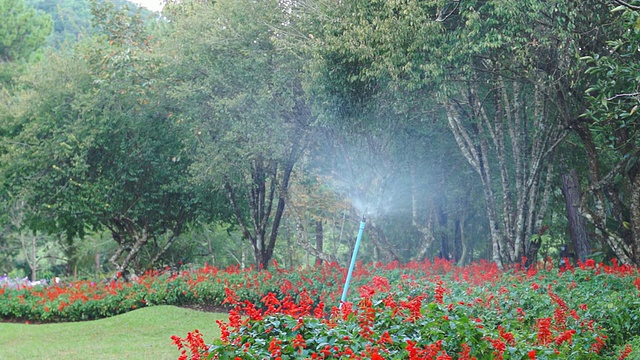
[{"x": 353, "y": 262}]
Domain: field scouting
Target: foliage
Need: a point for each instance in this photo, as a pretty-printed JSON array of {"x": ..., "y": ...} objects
[
  {"x": 476, "y": 312},
  {"x": 225, "y": 112},
  {"x": 613, "y": 128},
  {"x": 383, "y": 63},
  {"x": 400, "y": 311},
  {"x": 243, "y": 96},
  {"x": 72, "y": 18},
  {"x": 23, "y": 31},
  {"x": 95, "y": 145}
]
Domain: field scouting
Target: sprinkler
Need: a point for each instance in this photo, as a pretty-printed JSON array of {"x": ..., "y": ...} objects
[{"x": 353, "y": 261}]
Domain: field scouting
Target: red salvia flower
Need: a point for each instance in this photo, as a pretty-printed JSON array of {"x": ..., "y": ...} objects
[
  {"x": 565, "y": 337},
  {"x": 499, "y": 348},
  {"x": 507, "y": 336},
  {"x": 440, "y": 291},
  {"x": 544, "y": 331},
  {"x": 599, "y": 344},
  {"x": 274, "y": 347},
  {"x": 465, "y": 354},
  {"x": 385, "y": 338},
  {"x": 381, "y": 284},
  {"x": 367, "y": 291},
  {"x": 318, "y": 312},
  {"x": 625, "y": 352},
  {"x": 299, "y": 342}
]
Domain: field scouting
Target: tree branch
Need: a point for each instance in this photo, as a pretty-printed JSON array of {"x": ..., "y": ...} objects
[
  {"x": 236, "y": 210},
  {"x": 606, "y": 180},
  {"x": 627, "y": 5},
  {"x": 623, "y": 95}
]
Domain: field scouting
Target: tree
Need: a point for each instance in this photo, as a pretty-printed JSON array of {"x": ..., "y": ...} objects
[
  {"x": 612, "y": 199},
  {"x": 314, "y": 203},
  {"x": 577, "y": 228},
  {"x": 72, "y": 18},
  {"x": 95, "y": 145},
  {"x": 22, "y": 32},
  {"x": 243, "y": 94},
  {"x": 379, "y": 147},
  {"x": 495, "y": 90}
]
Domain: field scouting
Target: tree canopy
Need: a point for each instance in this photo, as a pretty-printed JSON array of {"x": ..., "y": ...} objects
[
  {"x": 464, "y": 129},
  {"x": 23, "y": 31}
]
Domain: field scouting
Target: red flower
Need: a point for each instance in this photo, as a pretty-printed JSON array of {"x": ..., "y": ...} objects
[
  {"x": 440, "y": 291},
  {"x": 544, "y": 332},
  {"x": 499, "y": 347},
  {"x": 381, "y": 283},
  {"x": 507, "y": 336},
  {"x": 230, "y": 298},
  {"x": 367, "y": 291},
  {"x": 566, "y": 336},
  {"x": 375, "y": 356},
  {"x": 465, "y": 354},
  {"x": 177, "y": 341},
  {"x": 224, "y": 331},
  {"x": 194, "y": 343},
  {"x": 385, "y": 338},
  {"x": 532, "y": 354},
  {"x": 599, "y": 344},
  {"x": 535, "y": 286},
  {"x": 346, "y": 309},
  {"x": 299, "y": 342},
  {"x": 274, "y": 347},
  {"x": 318, "y": 312},
  {"x": 625, "y": 352}
]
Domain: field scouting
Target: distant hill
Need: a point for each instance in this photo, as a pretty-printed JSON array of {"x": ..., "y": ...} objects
[{"x": 71, "y": 18}]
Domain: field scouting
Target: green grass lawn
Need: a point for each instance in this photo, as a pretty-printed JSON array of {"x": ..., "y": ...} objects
[{"x": 141, "y": 334}]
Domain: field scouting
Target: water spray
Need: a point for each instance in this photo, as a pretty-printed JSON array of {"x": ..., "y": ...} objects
[{"x": 353, "y": 261}]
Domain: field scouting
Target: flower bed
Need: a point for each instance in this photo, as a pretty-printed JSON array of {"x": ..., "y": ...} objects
[
  {"x": 85, "y": 300},
  {"x": 426, "y": 310},
  {"x": 474, "y": 312}
]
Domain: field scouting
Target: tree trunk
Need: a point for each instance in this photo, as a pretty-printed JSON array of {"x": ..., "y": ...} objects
[
  {"x": 322, "y": 256},
  {"x": 290, "y": 254},
  {"x": 577, "y": 229},
  {"x": 130, "y": 239},
  {"x": 319, "y": 241},
  {"x": 29, "y": 247},
  {"x": 428, "y": 237},
  {"x": 475, "y": 153},
  {"x": 97, "y": 264},
  {"x": 596, "y": 213},
  {"x": 376, "y": 235},
  {"x": 210, "y": 250},
  {"x": 508, "y": 142},
  {"x": 34, "y": 259},
  {"x": 443, "y": 233},
  {"x": 175, "y": 234},
  {"x": 265, "y": 183},
  {"x": 634, "y": 220},
  {"x": 457, "y": 241},
  {"x": 425, "y": 228}
]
